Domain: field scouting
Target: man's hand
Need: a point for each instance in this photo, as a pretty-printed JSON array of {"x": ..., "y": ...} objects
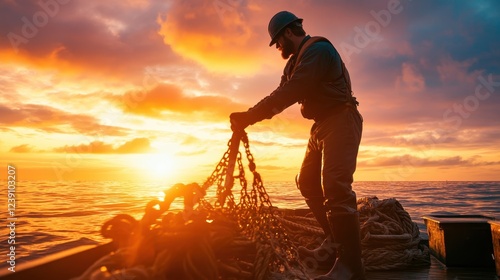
[{"x": 239, "y": 121}]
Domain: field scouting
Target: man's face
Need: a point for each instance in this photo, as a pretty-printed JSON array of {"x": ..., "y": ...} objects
[{"x": 285, "y": 45}]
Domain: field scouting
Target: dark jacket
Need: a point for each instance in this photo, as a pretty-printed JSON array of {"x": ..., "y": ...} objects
[{"x": 318, "y": 84}]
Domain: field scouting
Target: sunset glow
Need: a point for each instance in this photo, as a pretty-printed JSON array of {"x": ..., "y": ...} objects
[
  {"x": 142, "y": 90},
  {"x": 154, "y": 166}
]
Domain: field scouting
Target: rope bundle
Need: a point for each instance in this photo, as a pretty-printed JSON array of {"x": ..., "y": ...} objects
[{"x": 389, "y": 238}]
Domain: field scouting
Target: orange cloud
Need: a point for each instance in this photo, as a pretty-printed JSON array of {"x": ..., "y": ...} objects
[
  {"x": 216, "y": 34},
  {"x": 170, "y": 98},
  {"x": 411, "y": 79},
  {"x": 24, "y": 148},
  {"x": 137, "y": 145},
  {"x": 49, "y": 119}
]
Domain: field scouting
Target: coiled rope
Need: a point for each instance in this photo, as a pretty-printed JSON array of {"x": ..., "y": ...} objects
[{"x": 389, "y": 238}]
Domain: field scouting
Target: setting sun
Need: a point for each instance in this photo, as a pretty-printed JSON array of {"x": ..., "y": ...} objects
[{"x": 158, "y": 166}]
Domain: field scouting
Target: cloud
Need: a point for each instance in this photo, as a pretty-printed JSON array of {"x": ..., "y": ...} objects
[
  {"x": 463, "y": 139},
  {"x": 231, "y": 37},
  {"x": 216, "y": 34},
  {"x": 410, "y": 80},
  {"x": 451, "y": 71},
  {"x": 168, "y": 98},
  {"x": 117, "y": 38},
  {"x": 52, "y": 120},
  {"x": 409, "y": 160},
  {"x": 24, "y": 148},
  {"x": 137, "y": 145},
  {"x": 190, "y": 140}
]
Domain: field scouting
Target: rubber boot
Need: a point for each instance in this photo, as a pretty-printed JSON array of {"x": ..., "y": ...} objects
[
  {"x": 323, "y": 257},
  {"x": 348, "y": 266}
]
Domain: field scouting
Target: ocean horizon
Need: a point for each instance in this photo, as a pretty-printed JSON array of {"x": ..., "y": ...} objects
[{"x": 54, "y": 216}]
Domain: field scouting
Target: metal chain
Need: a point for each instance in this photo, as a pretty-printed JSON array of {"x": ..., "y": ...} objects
[
  {"x": 274, "y": 232},
  {"x": 219, "y": 173},
  {"x": 254, "y": 212},
  {"x": 218, "y": 176}
]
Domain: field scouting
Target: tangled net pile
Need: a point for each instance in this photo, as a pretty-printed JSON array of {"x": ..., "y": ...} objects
[{"x": 225, "y": 239}]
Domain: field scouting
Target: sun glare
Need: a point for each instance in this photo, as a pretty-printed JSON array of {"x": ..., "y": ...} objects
[{"x": 154, "y": 166}]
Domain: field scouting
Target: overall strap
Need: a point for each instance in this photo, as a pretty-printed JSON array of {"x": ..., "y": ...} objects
[
  {"x": 345, "y": 74},
  {"x": 306, "y": 45},
  {"x": 349, "y": 95}
]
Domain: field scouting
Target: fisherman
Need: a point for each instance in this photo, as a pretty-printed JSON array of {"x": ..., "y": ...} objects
[{"x": 316, "y": 77}]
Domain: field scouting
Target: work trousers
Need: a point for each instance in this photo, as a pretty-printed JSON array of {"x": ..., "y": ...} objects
[{"x": 330, "y": 160}]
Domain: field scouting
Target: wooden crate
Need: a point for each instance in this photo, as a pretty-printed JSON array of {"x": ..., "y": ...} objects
[{"x": 460, "y": 240}]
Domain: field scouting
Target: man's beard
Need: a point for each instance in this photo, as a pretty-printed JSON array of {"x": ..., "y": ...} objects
[{"x": 286, "y": 48}]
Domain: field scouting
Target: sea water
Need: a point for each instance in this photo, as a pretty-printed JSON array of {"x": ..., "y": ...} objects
[{"x": 53, "y": 216}]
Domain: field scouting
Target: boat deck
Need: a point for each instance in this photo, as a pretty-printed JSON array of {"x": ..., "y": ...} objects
[
  {"x": 64, "y": 265},
  {"x": 436, "y": 271}
]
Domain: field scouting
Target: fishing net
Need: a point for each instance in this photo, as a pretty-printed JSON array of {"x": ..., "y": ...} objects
[
  {"x": 212, "y": 238},
  {"x": 242, "y": 237}
]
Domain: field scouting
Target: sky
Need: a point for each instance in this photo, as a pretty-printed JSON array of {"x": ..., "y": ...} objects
[{"x": 143, "y": 89}]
